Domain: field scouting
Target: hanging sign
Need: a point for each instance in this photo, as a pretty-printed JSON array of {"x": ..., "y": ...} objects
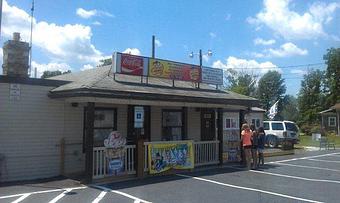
[
  {"x": 130, "y": 64},
  {"x": 139, "y": 117},
  {"x": 173, "y": 70},
  {"x": 167, "y": 155},
  {"x": 212, "y": 76}
]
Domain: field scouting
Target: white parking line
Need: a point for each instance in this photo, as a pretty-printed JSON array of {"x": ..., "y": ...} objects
[
  {"x": 337, "y": 155},
  {"x": 296, "y": 177},
  {"x": 100, "y": 197},
  {"x": 21, "y": 198},
  {"x": 60, "y": 196},
  {"x": 249, "y": 189},
  {"x": 307, "y": 157},
  {"x": 136, "y": 199},
  {"x": 321, "y": 160},
  {"x": 41, "y": 192},
  {"x": 310, "y": 167}
]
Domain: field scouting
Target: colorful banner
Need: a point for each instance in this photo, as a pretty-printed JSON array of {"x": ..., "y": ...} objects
[
  {"x": 212, "y": 76},
  {"x": 168, "y": 155},
  {"x": 174, "y": 70},
  {"x": 130, "y": 64}
]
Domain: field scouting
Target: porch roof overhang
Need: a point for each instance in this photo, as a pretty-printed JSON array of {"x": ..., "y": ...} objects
[
  {"x": 137, "y": 98},
  {"x": 101, "y": 84}
]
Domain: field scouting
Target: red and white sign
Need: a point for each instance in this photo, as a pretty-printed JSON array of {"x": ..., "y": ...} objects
[
  {"x": 132, "y": 65},
  {"x": 129, "y": 64}
]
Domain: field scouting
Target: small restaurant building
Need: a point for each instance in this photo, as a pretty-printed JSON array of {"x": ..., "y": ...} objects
[{"x": 135, "y": 117}]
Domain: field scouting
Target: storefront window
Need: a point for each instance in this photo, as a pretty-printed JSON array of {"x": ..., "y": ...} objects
[
  {"x": 231, "y": 123},
  {"x": 172, "y": 125},
  {"x": 104, "y": 124}
]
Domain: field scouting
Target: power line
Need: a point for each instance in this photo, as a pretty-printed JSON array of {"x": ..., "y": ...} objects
[{"x": 280, "y": 67}]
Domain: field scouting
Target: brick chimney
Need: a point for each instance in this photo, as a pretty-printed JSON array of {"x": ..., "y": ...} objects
[{"x": 15, "y": 61}]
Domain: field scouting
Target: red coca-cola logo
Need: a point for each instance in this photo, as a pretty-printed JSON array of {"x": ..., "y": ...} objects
[{"x": 132, "y": 65}]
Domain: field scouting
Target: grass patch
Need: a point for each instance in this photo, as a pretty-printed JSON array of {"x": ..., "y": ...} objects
[{"x": 307, "y": 141}]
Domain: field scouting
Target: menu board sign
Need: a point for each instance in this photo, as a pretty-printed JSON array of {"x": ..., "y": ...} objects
[
  {"x": 212, "y": 76},
  {"x": 173, "y": 70},
  {"x": 130, "y": 64}
]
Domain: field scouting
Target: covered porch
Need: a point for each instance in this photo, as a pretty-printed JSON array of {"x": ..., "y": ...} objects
[{"x": 156, "y": 111}]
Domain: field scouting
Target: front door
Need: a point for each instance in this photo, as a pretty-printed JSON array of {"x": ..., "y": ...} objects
[{"x": 207, "y": 124}]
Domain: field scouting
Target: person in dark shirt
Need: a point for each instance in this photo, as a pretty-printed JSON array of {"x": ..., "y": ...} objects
[
  {"x": 254, "y": 145},
  {"x": 260, "y": 144}
]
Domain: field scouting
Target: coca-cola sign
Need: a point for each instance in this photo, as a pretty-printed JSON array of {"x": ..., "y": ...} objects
[{"x": 132, "y": 65}]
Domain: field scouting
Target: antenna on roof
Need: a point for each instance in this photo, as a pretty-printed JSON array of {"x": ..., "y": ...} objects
[{"x": 30, "y": 62}]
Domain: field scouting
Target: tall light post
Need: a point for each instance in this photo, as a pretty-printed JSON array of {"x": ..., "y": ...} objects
[{"x": 200, "y": 55}]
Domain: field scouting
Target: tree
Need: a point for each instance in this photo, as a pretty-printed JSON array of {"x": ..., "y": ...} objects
[
  {"x": 311, "y": 97},
  {"x": 105, "y": 62},
  {"x": 290, "y": 110},
  {"x": 332, "y": 78},
  {"x": 271, "y": 88},
  {"x": 241, "y": 82},
  {"x": 48, "y": 74}
]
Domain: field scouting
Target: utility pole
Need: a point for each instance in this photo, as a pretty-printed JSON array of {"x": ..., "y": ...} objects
[{"x": 30, "y": 62}]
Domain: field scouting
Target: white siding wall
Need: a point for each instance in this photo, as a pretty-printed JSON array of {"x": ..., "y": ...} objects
[{"x": 30, "y": 132}]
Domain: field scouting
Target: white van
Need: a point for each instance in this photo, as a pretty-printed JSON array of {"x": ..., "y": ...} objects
[{"x": 277, "y": 131}]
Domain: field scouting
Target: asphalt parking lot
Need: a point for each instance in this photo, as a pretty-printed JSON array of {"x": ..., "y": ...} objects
[{"x": 306, "y": 177}]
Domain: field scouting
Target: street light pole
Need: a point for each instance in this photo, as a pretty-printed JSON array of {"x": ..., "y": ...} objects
[{"x": 200, "y": 55}]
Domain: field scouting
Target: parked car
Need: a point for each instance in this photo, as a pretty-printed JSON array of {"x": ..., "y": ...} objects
[{"x": 277, "y": 131}]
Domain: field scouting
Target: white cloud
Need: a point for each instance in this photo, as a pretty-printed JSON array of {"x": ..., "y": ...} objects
[
  {"x": 212, "y": 35},
  {"x": 86, "y": 14},
  {"x": 257, "y": 55},
  {"x": 133, "y": 51},
  {"x": 245, "y": 65},
  {"x": 49, "y": 67},
  {"x": 87, "y": 67},
  {"x": 260, "y": 41},
  {"x": 96, "y": 23},
  {"x": 158, "y": 43},
  {"x": 278, "y": 16},
  {"x": 205, "y": 57},
  {"x": 91, "y": 13},
  {"x": 287, "y": 50},
  {"x": 62, "y": 43}
]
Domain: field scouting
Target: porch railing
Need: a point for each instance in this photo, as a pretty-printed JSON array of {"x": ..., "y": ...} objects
[
  {"x": 100, "y": 169},
  {"x": 206, "y": 152}
]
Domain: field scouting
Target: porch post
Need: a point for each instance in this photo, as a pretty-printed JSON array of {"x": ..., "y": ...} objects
[
  {"x": 220, "y": 134},
  {"x": 89, "y": 142},
  {"x": 185, "y": 123}
]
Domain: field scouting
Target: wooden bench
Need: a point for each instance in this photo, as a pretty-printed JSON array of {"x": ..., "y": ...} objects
[{"x": 325, "y": 143}]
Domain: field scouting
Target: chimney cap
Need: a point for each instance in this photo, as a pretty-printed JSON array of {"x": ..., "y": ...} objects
[{"x": 16, "y": 36}]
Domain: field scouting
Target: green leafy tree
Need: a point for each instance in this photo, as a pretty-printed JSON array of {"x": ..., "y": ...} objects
[
  {"x": 311, "y": 97},
  {"x": 271, "y": 87},
  {"x": 241, "y": 82},
  {"x": 290, "y": 109},
  {"x": 48, "y": 74},
  {"x": 332, "y": 77},
  {"x": 105, "y": 62}
]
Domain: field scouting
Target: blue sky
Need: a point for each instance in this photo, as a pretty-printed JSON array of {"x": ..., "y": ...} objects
[{"x": 254, "y": 36}]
